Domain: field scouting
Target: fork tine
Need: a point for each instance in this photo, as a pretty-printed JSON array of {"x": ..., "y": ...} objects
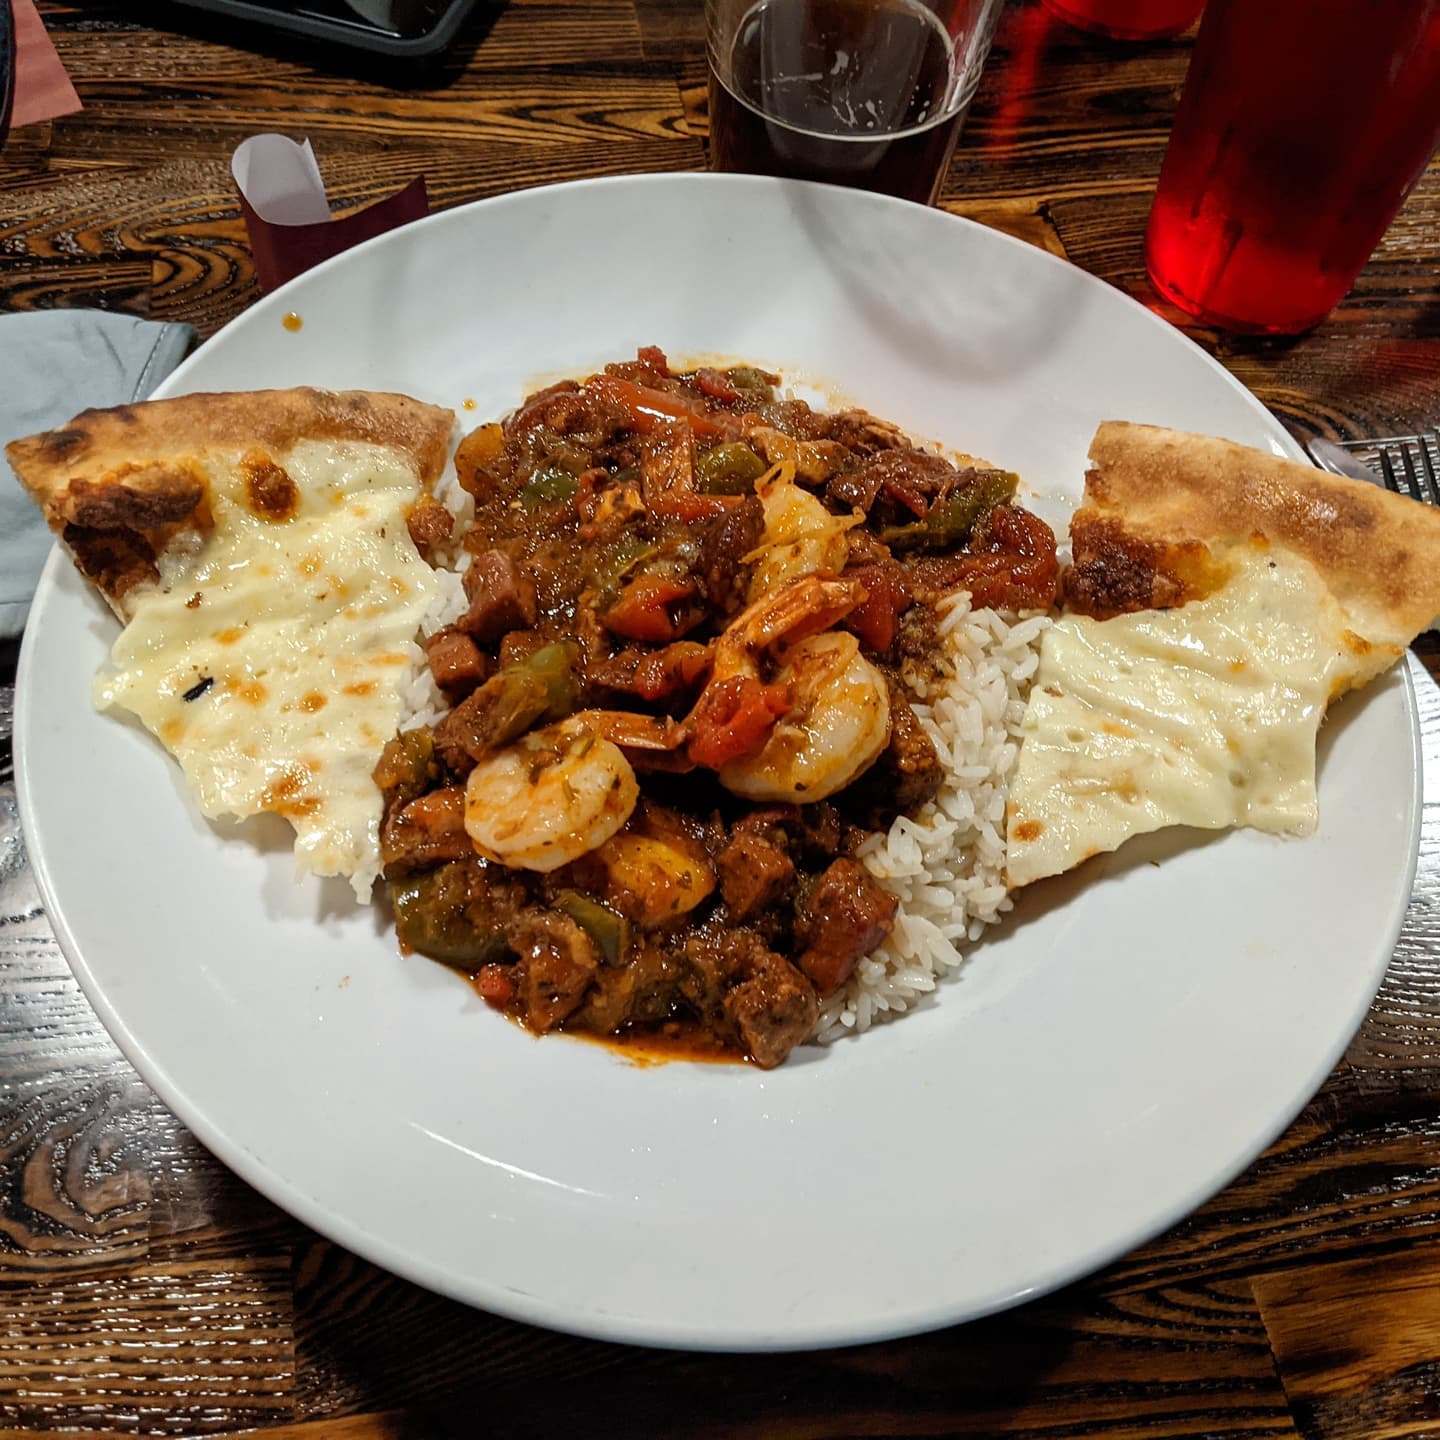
[
  {"x": 1428, "y": 467},
  {"x": 1412, "y": 480},
  {"x": 1388, "y": 471},
  {"x": 1408, "y": 464}
]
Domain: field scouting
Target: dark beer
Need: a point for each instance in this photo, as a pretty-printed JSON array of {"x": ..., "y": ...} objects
[{"x": 854, "y": 92}]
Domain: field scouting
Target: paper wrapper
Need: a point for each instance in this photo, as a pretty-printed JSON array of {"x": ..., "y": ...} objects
[
  {"x": 288, "y": 217},
  {"x": 42, "y": 88}
]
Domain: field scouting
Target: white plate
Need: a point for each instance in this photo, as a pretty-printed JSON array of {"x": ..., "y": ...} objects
[{"x": 1105, "y": 1064}]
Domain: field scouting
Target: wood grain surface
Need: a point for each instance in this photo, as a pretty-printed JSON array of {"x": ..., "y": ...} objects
[{"x": 146, "y": 1290}]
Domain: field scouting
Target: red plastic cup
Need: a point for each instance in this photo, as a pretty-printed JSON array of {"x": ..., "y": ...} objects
[
  {"x": 1129, "y": 19},
  {"x": 1303, "y": 126}
]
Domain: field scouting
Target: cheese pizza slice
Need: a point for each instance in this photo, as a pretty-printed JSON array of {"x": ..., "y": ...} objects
[
  {"x": 263, "y": 551},
  {"x": 1219, "y": 599}
]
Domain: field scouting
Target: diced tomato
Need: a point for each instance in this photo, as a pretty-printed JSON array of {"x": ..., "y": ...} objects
[
  {"x": 663, "y": 672},
  {"x": 899, "y": 489},
  {"x": 716, "y": 384},
  {"x": 650, "y": 410},
  {"x": 1010, "y": 562},
  {"x": 496, "y": 985},
  {"x": 887, "y": 597},
  {"x": 650, "y": 608},
  {"x": 734, "y": 717}
]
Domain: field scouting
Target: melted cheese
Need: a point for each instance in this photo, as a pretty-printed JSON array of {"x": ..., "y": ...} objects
[
  {"x": 303, "y": 628},
  {"x": 1203, "y": 715}
]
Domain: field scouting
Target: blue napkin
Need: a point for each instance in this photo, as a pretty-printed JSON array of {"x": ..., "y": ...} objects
[{"x": 53, "y": 364}]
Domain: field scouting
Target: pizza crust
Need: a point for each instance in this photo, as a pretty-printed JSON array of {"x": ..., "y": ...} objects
[
  {"x": 119, "y": 485},
  {"x": 1378, "y": 553},
  {"x": 1219, "y": 599}
]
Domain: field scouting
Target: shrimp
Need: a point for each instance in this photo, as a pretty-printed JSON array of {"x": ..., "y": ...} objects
[
  {"x": 801, "y": 537},
  {"x": 838, "y": 717},
  {"x": 791, "y": 612},
  {"x": 648, "y": 742},
  {"x": 550, "y": 797},
  {"x": 838, "y": 725},
  {"x": 632, "y": 731}
]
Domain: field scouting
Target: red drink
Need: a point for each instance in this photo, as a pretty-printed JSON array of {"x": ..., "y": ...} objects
[
  {"x": 1129, "y": 19},
  {"x": 1303, "y": 126}
]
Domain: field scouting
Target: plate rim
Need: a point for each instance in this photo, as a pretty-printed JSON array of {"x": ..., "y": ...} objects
[
  {"x": 597, "y": 1324},
  {"x": 171, "y": 384}
]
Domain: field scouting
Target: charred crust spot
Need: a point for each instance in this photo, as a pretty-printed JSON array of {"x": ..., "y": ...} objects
[
  {"x": 56, "y": 447},
  {"x": 1028, "y": 831},
  {"x": 114, "y": 560},
  {"x": 1117, "y": 573},
  {"x": 269, "y": 491},
  {"x": 1112, "y": 572},
  {"x": 1097, "y": 488},
  {"x": 133, "y": 497}
]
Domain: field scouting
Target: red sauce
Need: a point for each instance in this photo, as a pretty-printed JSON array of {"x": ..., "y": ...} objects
[
  {"x": 674, "y": 1040},
  {"x": 644, "y": 1046}
]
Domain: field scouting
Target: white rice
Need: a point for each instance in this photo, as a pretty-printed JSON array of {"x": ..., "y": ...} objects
[
  {"x": 946, "y": 864},
  {"x": 421, "y": 702}
]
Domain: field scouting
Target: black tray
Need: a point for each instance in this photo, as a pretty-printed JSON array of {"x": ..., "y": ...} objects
[{"x": 405, "y": 29}]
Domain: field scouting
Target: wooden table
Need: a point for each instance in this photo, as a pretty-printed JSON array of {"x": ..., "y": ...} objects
[{"x": 144, "y": 1289}]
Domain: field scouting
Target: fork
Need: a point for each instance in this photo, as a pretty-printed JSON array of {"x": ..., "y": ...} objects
[{"x": 1407, "y": 464}]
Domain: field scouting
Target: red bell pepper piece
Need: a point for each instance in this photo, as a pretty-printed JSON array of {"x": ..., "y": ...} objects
[
  {"x": 650, "y": 410},
  {"x": 663, "y": 672},
  {"x": 649, "y": 608}
]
